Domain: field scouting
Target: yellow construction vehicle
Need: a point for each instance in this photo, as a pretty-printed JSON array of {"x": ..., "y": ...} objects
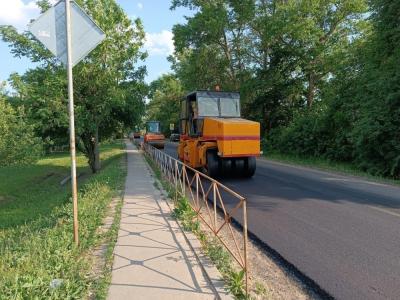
[
  {"x": 214, "y": 137},
  {"x": 153, "y": 135}
]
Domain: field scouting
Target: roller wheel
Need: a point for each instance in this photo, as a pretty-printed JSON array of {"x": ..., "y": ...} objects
[
  {"x": 226, "y": 167},
  {"x": 249, "y": 167},
  {"x": 238, "y": 167},
  {"x": 212, "y": 164}
]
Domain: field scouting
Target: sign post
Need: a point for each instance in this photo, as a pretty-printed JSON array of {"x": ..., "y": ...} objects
[
  {"x": 70, "y": 34},
  {"x": 71, "y": 120}
]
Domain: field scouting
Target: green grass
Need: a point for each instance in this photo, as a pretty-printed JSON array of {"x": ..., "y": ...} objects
[
  {"x": 327, "y": 165},
  {"x": 36, "y": 244},
  {"x": 101, "y": 285}
]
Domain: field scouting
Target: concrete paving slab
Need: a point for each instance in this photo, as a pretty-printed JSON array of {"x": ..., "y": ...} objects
[{"x": 152, "y": 259}]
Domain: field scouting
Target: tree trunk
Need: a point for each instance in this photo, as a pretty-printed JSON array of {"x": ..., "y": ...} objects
[
  {"x": 97, "y": 163},
  {"x": 311, "y": 89},
  {"x": 92, "y": 151}
]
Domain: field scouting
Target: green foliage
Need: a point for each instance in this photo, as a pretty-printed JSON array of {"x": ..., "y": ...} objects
[
  {"x": 41, "y": 249},
  {"x": 108, "y": 85},
  {"x": 213, "y": 248},
  {"x": 359, "y": 119},
  {"x": 236, "y": 284},
  {"x": 184, "y": 212},
  {"x": 18, "y": 144},
  {"x": 261, "y": 289},
  {"x": 277, "y": 53},
  {"x": 320, "y": 76},
  {"x": 219, "y": 256},
  {"x": 165, "y": 95},
  {"x": 376, "y": 132},
  {"x": 222, "y": 259},
  {"x": 41, "y": 92}
]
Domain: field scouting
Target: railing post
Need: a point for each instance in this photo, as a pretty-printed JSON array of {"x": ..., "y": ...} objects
[
  {"x": 197, "y": 192},
  {"x": 176, "y": 182},
  {"x": 245, "y": 245},
  {"x": 183, "y": 180},
  {"x": 215, "y": 206}
]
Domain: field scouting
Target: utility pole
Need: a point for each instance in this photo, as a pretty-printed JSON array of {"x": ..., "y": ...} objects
[{"x": 71, "y": 120}]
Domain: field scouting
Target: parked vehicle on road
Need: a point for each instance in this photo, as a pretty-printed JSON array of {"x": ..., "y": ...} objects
[{"x": 174, "y": 137}]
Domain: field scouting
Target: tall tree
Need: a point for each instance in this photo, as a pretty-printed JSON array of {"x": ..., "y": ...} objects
[
  {"x": 318, "y": 33},
  {"x": 279, "y": 54},
  {"x": 165, "y": 96},
  {"x": 108, "y": 86},
  {"x": 376, "y": 133},
  {"x": 18, "y": 144},
  {"x": 211, "y": 45}
]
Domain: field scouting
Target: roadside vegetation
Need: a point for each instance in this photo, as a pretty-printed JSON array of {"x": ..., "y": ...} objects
[
  {"x": 109, "y": 87},
  {"x": 212, "y": 247},
  {"x": 16, "y": 133},
  {"x": 38, "y": 259},
  {"x": 321, "y": 77}
]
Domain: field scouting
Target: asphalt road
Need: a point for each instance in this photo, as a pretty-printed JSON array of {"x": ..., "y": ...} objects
[{"x": 342, "y": 232}]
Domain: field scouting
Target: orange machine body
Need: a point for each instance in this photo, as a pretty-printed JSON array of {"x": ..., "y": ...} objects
[
  {"x": 231, "y": 143},
  {"x": 153, "y": 135}
]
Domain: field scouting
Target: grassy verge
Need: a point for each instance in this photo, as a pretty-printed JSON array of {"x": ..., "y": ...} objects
[
  {"x": 38, "y": 259},
  {"x": 327, "y": 165},
  {"x": 211, "y": 245}
]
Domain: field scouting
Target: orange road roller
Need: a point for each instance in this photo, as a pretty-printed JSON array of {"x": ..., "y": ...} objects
[
  {"x": 214, "y": 137},
  {"x": 153, "y": 135}
]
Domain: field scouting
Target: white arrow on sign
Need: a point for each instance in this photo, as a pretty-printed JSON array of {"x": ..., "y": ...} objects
[{"x": 50, "y": 30}]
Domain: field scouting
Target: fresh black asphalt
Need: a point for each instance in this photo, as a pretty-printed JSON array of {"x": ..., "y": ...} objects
[{"x": 341, "y": 231}]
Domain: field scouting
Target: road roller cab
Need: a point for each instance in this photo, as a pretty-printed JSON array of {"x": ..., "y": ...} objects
[
  {"x": 153, "y": 135},
  {"x": 214, "y": 137}
]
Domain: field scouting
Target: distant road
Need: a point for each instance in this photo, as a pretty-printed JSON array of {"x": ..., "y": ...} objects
[{"x": 343, "y": 232}]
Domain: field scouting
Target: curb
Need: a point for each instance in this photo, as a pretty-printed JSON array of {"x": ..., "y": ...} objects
[{"x": 210, "y": 271}]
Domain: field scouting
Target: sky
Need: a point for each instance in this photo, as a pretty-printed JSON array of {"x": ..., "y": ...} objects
[{"x": 156, "y": 17}]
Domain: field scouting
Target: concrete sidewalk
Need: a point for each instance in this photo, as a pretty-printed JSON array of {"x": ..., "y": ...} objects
[{"x": 151, "y": 258}]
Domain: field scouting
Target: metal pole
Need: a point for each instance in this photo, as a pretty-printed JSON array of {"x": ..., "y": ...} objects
[
  {"x": 246, "y": 267},
  {"x": 215, "y": 207},
  {"x": 71, "y": 120}
]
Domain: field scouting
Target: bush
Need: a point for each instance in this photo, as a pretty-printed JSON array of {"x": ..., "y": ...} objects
[
  {"x": 307, "y": 135},
  {"x": 18, "y": 144},
  {"x": 361, "y": 119}
]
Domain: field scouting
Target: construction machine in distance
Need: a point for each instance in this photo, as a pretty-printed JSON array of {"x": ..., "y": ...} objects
[
  {"x": 214, "y": 137},
  {"x": 136, "y": 133},
  {"x": 153, "y": 135}
]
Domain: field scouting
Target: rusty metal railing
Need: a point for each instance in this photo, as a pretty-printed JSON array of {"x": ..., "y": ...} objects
[{"x": 206, "y": 199}]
